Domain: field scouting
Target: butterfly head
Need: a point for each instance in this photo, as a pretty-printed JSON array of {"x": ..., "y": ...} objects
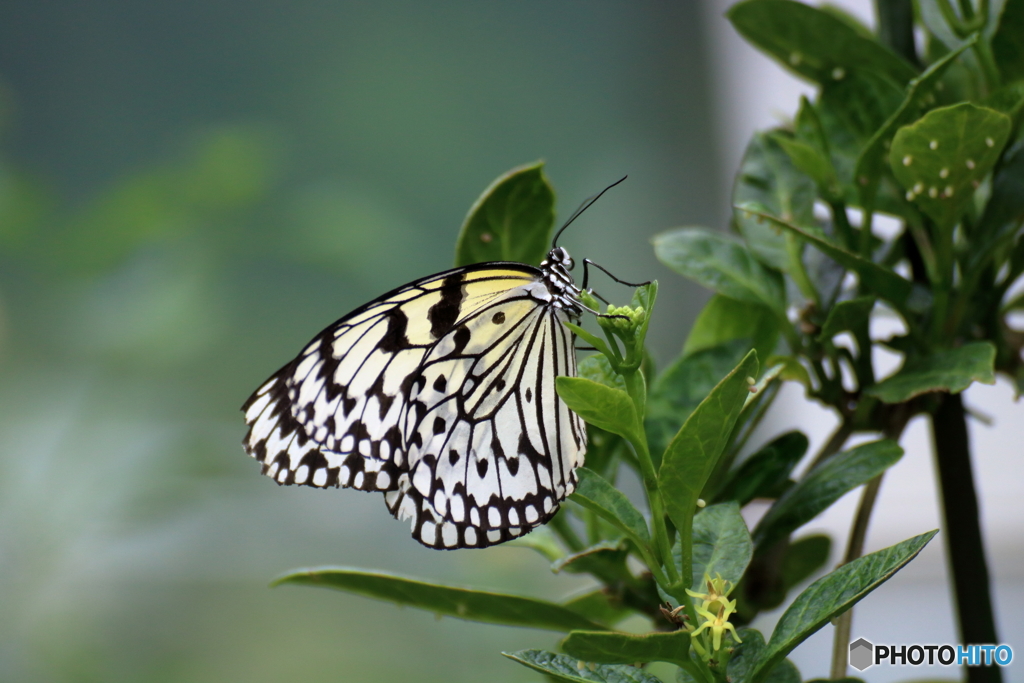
[{"x": 559, "y": 257}]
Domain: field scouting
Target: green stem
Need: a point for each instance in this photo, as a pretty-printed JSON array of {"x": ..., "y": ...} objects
[
  {"x": 833, "y": 445},
  {"x": 854, "y": 549},
  {"x": 864, "y": 248},
  {"x": 961, "y": 27},
  {"x": 966, "y": 10},
  {"x": 987, "y": 61},
  {"x": 896, "y": 27},
  {"x": 794, "y": 247},
  {"x": 964, "y": 544},
  {"x": 842, "y": 223},
  {"x": 637, "y": 391},
  {"x": 560, "y": 523}
]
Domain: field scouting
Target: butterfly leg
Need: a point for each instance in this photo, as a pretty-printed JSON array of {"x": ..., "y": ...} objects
[{"x": 586, "y": 275}]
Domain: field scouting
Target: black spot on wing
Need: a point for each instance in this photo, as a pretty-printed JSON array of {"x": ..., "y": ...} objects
[
  {"x": 445, "y": 313},
  {"x": 460, "y": 339},
  {"x": 377, "y": 390},
  {"x": 526, "y": 449},
  {"x": 394, "y": 338}
]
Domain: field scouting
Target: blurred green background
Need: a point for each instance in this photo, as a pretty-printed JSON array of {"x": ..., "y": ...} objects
[{"x": 189, "y": 191}]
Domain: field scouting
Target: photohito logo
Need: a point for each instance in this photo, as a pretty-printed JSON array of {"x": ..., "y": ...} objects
[{"x": 864, "y": 654}]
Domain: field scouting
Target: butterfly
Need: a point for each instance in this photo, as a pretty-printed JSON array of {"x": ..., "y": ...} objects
[{"x": 441, "y": 395}]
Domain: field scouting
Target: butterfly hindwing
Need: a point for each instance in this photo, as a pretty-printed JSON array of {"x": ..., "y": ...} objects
[{"x": 491, "y": 446}]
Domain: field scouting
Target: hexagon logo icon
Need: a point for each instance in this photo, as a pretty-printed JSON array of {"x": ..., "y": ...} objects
[{"x": 861, "y": 654}]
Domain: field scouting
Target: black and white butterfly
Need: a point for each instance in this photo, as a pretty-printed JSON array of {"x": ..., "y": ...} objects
[{"x": 441, "y": 395}]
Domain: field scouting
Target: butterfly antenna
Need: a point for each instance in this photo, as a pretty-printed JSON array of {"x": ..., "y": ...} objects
[{"x": 583, "y": 207}]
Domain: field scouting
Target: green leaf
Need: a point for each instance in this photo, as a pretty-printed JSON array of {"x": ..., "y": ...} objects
[
  {"x": 1007, "y": 46},
  {"x": 541, "y": 540},
  {"x": 804, "y": 557},
  {"x": 595, "y": 493},
  {"x": 784, "y": 672},
  {"x": 1008, "y": 100},
  {"x": 723, "y": 319},
  {"x": 721, "y": 264},
  {"x": 600, "y": 405},
  {"x": 812, "y": 162},
  {"x": 683, "y": 385},
  {"x": 721, "y": 544},
  {"x": 791, "y": 370},
  {"x": 886, "y": 283},
  {"x": 598, "y": 369},
  {"x": 745, "y": 657},
  {"x": 599, "y": 607},
  {"x": 823, "y": 486},
  {"x": 813, "y": 43},
  {"x": 851, "y": 111},
  {"x": 832, "y": 595},
  {"x": 1004, "y": 211},
  {"x": 941, "y": 158},
  {"x": 872, "y": 164},
  {"x": 511, "y": 221},
  {"x": 626, "y": 648},
  {"x": 693, "y": 453},
  {"x": 852, "y": 315},
  {"x": 462, "y": 603},
  {"x": 768, "y": 177},
  {"x": 765, "y": 474},
  {"x": 605, "y": 560},
  {"x": 951, "y": 371},
  {"x": 570, "y": 669}
]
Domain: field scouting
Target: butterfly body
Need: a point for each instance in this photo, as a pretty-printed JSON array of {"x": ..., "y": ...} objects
[{"x": 441, "y": 395}]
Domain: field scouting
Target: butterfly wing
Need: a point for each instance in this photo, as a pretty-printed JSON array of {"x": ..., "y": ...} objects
[
  {"x": 491, "y": 447},
  {"x": 332, "y": 416}
]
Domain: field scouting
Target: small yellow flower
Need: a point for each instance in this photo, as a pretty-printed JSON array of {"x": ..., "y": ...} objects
[
  {"x": 717, "y": 623},
  {"x": 718, "y": 589}
]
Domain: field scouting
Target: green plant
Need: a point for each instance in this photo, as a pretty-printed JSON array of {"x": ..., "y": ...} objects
[{"x": 932, "y": 140}]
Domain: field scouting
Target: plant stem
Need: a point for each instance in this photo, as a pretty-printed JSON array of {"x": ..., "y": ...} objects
[
  {"x": 833, "y": 445},
  {"x": 794, "y": 247},
  {"x": 662, "y": 548},
  {"x": 896, "y": 27},
  {"x": 987, "y": 61},
  {"x": 841, "y": 222},
  {"x": 964, "y": 544},
  {"x": 854, "y": 549}
]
